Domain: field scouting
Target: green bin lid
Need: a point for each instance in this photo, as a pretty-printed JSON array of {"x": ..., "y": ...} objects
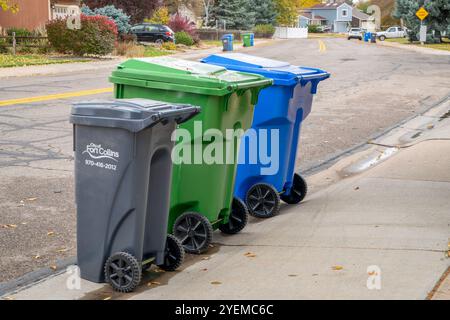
[{"x": 184, "y": 75}]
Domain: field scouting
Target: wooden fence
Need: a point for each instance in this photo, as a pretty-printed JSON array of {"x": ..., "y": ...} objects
[{"x": 15, "y": 42}]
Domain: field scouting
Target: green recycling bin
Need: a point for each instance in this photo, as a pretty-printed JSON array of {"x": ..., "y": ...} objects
[
  {"x": 202, "y": 181},
  {"x": 247, "y": 39}
]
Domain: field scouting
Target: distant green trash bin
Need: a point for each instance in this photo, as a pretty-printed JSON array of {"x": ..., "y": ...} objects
[
  {"x": 248, "y": 39},
  {"x": 202, "y": 194}
]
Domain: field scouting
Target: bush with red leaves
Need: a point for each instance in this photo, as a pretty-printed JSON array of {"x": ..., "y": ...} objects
[
  {"x": 178, "y": 23},
  {"x": 97, "y": 36}
]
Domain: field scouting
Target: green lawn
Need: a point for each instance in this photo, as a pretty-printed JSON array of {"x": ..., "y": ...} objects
[
  {"x": 151, "y": 51},
  {"x": 215, "y": 43},
  {"x": 440, "y": 46},
  {"x": 9, "y": 60}
]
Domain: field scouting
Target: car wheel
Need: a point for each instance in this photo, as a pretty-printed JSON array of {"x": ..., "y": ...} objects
[
  {"x": 382, "y": 38},
  {"x": 159, "y": 42}
]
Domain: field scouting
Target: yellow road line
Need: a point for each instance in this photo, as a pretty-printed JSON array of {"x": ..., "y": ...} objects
[
  {"x": 322, "y": 46},
  {"x": 56, "y": 96}
]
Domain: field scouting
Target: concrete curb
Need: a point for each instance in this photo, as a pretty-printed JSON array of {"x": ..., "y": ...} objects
[{"x": 34, "y": 277}]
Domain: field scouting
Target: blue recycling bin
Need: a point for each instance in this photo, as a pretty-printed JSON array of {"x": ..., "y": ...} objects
[
  {"x": 367, "y": 36},
  {"x": 252, "y": 39},
  {"x": 227, "y": 42},
  {"x": 282, "y": 107}
]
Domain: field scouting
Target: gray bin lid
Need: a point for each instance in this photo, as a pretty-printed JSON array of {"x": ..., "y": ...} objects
[{"x": 131, "y": 114}]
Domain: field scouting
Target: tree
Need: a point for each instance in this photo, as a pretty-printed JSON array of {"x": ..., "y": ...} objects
[
  {"x": 302, "y": 4},
  {"x": 207, "y": 7},
  {"x": 7, "y": 5},
  {"x": 136, "y": 9},
  {"x": 237, "y": 14},
  {"x": 160, "y": 16},
  {"x": 265, "y": 11},
  {"x": 438, "y": 19},
  {"x": 287, "y": 12},
  {"x": 363, "y": 5},
  {"x": 117, "y": 15}
]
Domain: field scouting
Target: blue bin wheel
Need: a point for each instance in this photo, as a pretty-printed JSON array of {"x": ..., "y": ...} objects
[
  {"x": 298, "y": 191},
  {"x": 123, "y": 272},
  {"x": 194, "y": 231},
  {"x": 173, "y": 255},
  {"x": 263, "y": 200},
  {"x": 238, "y": 218}
]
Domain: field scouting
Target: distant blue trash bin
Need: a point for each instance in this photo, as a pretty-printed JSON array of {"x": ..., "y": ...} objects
[
  {"x": 282, "y": 106},
  {"x": 252, "y": 39},
  {"x": 367, "y": 36},
  {"x": 227, "y": 41}
]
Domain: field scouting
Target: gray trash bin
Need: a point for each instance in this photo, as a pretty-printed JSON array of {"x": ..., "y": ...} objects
[{"x": 123, "y": 173}]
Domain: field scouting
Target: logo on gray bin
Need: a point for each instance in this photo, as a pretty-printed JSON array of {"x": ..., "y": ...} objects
[{"x": 96, "y": 151}]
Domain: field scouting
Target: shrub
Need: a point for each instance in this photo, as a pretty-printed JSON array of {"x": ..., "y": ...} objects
[
  {"x": 314, "y": 29},
  {"x": 121, "y": 19},
  {"x": 179, "y": 23},
  {"x": 264, "y": 29},
  {"x": 183, "y": 38},
  {"x": 169, "y": 46},
  {"x": 160, "y": 16},
  {"x": 20, "y": 32},
  {"x": 97, "y": 36}
]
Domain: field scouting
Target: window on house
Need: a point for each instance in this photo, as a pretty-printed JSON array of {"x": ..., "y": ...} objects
[{"x": 344, "y": 12}]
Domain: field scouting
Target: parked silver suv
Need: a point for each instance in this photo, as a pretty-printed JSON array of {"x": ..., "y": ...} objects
[{"x": 354, "y": 33}]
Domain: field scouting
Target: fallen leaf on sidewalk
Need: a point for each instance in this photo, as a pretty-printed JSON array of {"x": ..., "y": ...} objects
[
  {"x": 155, "y": 283},
  {"x": 107, "y": 298},
  {"x": 430, "y": 126},
  {"x": 356, "y": 188},
  {"x": 31, "y": 199},
  {"x": 250, "y": 255},
  {"x": 206, "y": 258},
  {"x": 205, "y": 269},
  {"x": 53, "y": 268},
  {"x": 9, "y": 298},
  {"x": 11, "y": 226},
  {"x": 50, "y": 233},
  {"x": 216, "y": 282},
  {"x": 62, "y": 250},
  {"x": 211, "y": 246},
  {"x": 292, "y": 275},
  {"x": 337, "y": 268},
  {"x": 159, "y": 270},
  {"x": 36, "y": 257}
]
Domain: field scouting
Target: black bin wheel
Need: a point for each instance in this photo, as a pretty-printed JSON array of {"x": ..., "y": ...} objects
[
  {"x": 174, "y": 254},
  {"x": 123, "y": 272},
  {"x": 263, "y": 200},
  {"x": 194, "y": 232},
  {"x": 298, "y": 191},
  {"x": 238, "y": 218}
]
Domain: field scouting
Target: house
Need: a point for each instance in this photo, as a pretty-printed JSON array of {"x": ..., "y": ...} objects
[
  {"x": 335, "y": 15},
  {"x": 362, "y": 20},
  {"x": 33, "y": 14}
]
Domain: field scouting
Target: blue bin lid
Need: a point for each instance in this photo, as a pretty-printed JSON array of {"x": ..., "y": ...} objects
[{"x": 283, "y": 73}]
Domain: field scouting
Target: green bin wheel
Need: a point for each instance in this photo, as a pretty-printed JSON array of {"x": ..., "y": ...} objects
[
  {"x": 263, "y": 200},
  {"x": 194, "y": 232},
  {"x": 123, "y": 272},
  {"x": 298, "y": 191},
  {"x": 174, "y": 254},
  {"x": 238, "y": 218}
]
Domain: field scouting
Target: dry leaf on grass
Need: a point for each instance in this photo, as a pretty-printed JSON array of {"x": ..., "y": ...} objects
[
  {"x": 216, "y": 282},
  {"x": 337, "y": 268}
]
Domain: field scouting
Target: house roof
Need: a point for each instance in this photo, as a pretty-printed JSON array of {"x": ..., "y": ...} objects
[
  {"x": 361, "y": 15},
  {"x": 308, "y": 15},
  {"x": 328, "y": 5}
]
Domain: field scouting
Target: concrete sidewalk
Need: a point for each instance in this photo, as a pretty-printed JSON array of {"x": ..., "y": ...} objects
[{"x": 375, "y": 226}]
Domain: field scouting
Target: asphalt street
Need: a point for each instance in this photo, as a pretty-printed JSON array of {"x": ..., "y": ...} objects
[{"x": 371, "y": 89}]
